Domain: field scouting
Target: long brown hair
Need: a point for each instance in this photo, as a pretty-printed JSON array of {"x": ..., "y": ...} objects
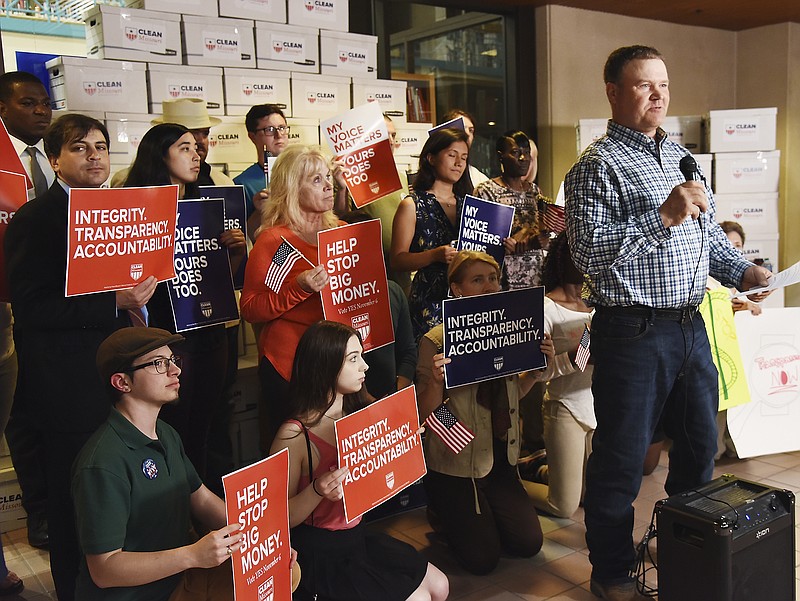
[{"x": 317, "y": 363}]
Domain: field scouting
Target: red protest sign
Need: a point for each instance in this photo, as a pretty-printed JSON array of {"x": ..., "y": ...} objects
[
  {"x": 13, "y": 194},
  {"x": 9, "y": 159},
  {"x": 381, "y": 447},
  {"x": 357, "y": 294},
  {"x": 257, "y": 496},
  {"x": 118, "y": 236},
  {"x": 360, "y": 140}
]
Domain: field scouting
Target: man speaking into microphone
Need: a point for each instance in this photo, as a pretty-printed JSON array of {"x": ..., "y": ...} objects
[{"x": 648, "y": 240}]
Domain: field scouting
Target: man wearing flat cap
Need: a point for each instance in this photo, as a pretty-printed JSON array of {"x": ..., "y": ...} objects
[
  {"x": 193, "y": 115},
  {"x": 135, "y": 490}
]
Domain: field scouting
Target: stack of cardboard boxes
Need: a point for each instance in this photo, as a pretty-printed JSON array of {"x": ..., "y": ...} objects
[
  {"x": 231, "y": 53},
  {"x": 746, "y": 177}
]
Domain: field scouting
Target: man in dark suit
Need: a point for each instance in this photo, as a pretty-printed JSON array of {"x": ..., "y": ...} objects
[{"x": 57, "y": 337}]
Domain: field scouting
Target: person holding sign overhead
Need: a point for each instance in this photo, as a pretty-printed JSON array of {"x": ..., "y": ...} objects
[
  {"x": 475, "y": 497},
  {"x": 168, "y": 155},
  {"x": 426, "y": 223},
  {"x": 341, "y": 561},
  {"x": 281, "y": 281}
]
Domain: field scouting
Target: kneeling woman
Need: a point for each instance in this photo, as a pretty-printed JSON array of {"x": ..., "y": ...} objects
[
  {"x": 340, "y": 560},
  {"x": 475, "y": 497}
]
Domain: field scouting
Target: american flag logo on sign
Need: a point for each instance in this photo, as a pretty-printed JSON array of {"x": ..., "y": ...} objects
[
  {"x": 174, "y": 91},
  {"x": 498, "y": 363},
  {"x": 390, "y": 480},
  {"x": 136, "y": 270},
  {"x": 130, "y": 33},
  {"x": 343, "y": 56},
  {"x": 309, "y": 4},
  {"x": 247, "y": 89},
  {"x": 205, "y": 309},
  {"x": 89, "y": 87},
  {"x": 211, "y": 43}
]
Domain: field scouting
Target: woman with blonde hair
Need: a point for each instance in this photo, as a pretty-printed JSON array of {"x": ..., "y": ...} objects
[{"x": 282, "y": 282}]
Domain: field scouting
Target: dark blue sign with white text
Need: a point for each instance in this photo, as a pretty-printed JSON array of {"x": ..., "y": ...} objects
[
  {"x": 235, "y": 217},
  {"x": 493, "y": 335},
  {"x": 202, "y": 292},
  {"x": 484, "y": 225}
]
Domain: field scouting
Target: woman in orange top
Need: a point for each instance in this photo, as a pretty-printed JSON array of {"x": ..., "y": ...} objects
[{"x": 281, "y": 288}]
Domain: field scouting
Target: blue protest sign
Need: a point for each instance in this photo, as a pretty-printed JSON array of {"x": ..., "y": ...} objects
[
  {"x": 457, "y": 123},
  {"x": 484, "y": 225},
  {"x": 493, "y": 335},
  {"x": 235, "y": 217},
  {"x": 202, "y": 292}
]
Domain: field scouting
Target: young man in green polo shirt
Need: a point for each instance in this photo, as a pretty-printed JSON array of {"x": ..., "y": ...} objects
[{"x": 135, "y": 490}]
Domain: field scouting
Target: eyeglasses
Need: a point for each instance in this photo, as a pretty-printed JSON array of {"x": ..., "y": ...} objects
[
  {"x": 271, "y": 130},
  {"x": 160, "y": 363}
]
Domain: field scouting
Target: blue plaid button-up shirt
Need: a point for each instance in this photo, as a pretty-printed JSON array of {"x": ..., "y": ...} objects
[{"x": 616, "y": 236}]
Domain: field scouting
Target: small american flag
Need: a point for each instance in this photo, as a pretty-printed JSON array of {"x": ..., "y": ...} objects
[
  {"x": 282, "y": 262},
  {"x": 582, "y": 356},
  {"x": 449, "y": 429},
  {"x": 553, "y": 218}
]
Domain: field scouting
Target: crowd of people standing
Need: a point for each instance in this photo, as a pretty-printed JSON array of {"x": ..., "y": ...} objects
[{"x": 643, "y": 257}]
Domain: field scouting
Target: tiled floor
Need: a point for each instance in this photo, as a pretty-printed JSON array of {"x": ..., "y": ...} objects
[{"x": 560, "y": 571}]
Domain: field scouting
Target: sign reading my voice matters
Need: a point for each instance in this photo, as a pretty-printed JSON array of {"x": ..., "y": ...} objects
[
  {"x": 119, "y": 236},
  {"x": 360, "y": 140}
]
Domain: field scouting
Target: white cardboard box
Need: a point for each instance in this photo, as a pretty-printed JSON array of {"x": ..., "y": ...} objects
[
  {"x": 259, "y": 10},
  {"x": 742, "y": 130},
  {"x": 412, "y": 137},
  {"x": 12, "y": 515},
  {"x": 319, "y": 96},
  {"x": 589, "y": 130},
  {"x": 764, "y": 248},
  {"x": 686, "y": 131},
  {"x": 206, "y": 8},
  {"x": 287, "y": 47},
  {"x": 323, "y": 14},
  {"x": 245, "y": 88},
  {"x": 741, "y": 172},
  {"x": 229, "y": 143},
  {"x": 389, "y": 94},
  {"x": 218, "y": 42},
  {"x": 126, "y": 131},
  {"x": 705, "y": 162},
  {"x": 133, "y": 35},
  {"x": 304, "y": 131},
  {"x": 168, "y": 82},
  {"x": 86, "y": 84},
  {"x": 756, "y": 213},
  {"x": 348, "y": 54}
]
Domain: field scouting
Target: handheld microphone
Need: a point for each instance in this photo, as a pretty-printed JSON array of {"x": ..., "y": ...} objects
[{"x": 688, "y": 167}]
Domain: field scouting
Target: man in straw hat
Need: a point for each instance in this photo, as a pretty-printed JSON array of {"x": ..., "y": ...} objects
[
  {"x": 193, "y": 115},
  {"x": 135, "y": 490}
]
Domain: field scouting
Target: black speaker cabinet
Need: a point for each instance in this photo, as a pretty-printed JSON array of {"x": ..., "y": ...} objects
[{"x": 728, "y": 540}]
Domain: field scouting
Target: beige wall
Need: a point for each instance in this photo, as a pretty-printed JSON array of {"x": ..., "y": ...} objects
[
  {"x": 572, "y": 46},
  {"x": 708, "y": 68}
]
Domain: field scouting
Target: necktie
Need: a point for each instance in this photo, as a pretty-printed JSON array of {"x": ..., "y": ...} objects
[
  {"x": 137, "y": 318},
  {"x": 39, "y": 179}
]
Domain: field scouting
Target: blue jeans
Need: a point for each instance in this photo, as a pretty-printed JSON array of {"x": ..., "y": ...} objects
[{"x": 645, "y": 368}]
